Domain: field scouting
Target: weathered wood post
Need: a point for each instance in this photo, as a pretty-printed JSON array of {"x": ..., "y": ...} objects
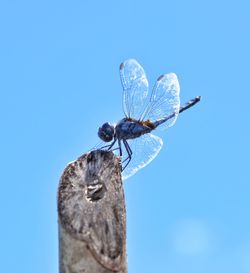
[{"x": 92, "y": 216}]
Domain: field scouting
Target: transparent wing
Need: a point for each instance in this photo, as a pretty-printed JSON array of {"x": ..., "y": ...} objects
[
  {"x": 164, "y": 100},
  {"x": 145, "y": 149},
  {"x": 135, "y": 88}
]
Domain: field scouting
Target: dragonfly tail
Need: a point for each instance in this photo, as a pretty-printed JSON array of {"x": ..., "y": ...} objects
[
  {"x": 182, "y": 108},
  {"x": 190, "y": 104}
]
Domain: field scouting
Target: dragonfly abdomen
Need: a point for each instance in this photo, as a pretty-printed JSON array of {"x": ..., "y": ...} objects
[{"x": 182, "y": 108}]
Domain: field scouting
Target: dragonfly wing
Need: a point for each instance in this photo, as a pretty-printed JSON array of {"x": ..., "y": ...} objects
[
  {"x": 164, "y": 100},
  {"x": 145, "y": 149},
  {"x": 135, "y": 88}
]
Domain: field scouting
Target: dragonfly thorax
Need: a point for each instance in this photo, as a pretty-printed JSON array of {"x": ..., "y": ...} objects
[{"x": 128, "y": 128}]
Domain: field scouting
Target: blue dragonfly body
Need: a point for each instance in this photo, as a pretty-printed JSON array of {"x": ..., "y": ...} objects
[{"x": 143, "y": 114}]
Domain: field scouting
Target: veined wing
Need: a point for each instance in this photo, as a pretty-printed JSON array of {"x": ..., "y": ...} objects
[
  {"x": 135, "y": 88},
  {"x": 164, "y": 100},
  {"x": 145, "y": 149}
]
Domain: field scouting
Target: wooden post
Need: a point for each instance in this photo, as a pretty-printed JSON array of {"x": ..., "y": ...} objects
[{"x": 92, "y": 216}]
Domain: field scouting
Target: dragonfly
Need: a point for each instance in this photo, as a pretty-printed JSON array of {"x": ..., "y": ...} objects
[{"x": 144, "y": 112}]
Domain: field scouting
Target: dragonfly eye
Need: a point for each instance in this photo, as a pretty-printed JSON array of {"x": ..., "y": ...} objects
[{"x": 106, "y": 132}]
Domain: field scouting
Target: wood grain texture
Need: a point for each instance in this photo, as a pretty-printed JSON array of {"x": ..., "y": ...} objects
[{"x": 92, "y": 216}]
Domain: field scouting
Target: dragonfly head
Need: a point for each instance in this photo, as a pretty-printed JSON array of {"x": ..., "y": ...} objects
[{"x": 106, "y": 132}]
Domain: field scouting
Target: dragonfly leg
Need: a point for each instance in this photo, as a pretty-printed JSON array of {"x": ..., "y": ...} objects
[
  {"x": 112, "y": 144},
  {"x": 117, "y": 148},
  {"x": 109, "y": 146},
  {"x": 120, "y": 147},
  {"x": 120, "y": 151},
  {"x": 129, "y": 151},
  {"x": 128, "y": 147}
]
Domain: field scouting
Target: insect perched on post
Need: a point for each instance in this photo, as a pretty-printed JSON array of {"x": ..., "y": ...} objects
[{"x": 144, "y": 113}]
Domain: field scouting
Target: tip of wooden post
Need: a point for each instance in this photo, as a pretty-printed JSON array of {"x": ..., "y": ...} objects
[{"x": 91, "y": 208}]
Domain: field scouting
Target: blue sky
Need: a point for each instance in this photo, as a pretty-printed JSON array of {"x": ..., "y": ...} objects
[{"x": 188, "y": 211}]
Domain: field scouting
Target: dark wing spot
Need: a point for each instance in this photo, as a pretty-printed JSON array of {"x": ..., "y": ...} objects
[
  {"x": 160, "y": 77},
  {"x": 121, "y": 66}
]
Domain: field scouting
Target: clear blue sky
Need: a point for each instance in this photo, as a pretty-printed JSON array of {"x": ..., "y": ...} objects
[{"x": 188, "y": 211}]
